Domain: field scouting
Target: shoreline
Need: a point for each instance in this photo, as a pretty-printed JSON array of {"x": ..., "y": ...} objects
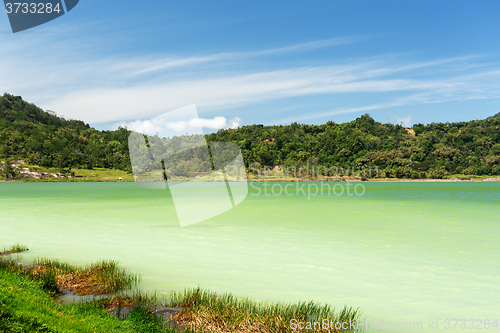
[
  {"x": 193, "y": 310},
  {"x": 30, "y": 173},
  {"x": 480, "y": 179}
]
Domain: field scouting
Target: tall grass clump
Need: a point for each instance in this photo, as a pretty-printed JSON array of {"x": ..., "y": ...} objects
[
  {"x": 10, "y": 264},
  {"x": 144, "y": 319},
  {"x": 139, "y": 308},
  {"x": 122, "y": 300},
  {"x": 103, "y": 277},
  {"x": 54, "y": 265},
  {"x": 14, "y": 249},
  {"x": 25, "y": 307},
  {"x": 209, "y": 311}
]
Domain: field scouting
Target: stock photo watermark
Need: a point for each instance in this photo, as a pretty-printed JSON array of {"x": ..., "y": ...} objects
[
  {"x": 310, "y": 180},
  {"x": 206, "y": 179},
  {"x": 308, "y": 190},
  {"x": 24, "y": 15},
  {"x": 363, "y": 324}
]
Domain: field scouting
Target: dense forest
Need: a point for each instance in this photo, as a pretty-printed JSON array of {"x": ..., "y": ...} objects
[
  {"x": 42, "y": 138},
  {"x": 422, "y": 151},
  {"x": 433, "y": 150}
]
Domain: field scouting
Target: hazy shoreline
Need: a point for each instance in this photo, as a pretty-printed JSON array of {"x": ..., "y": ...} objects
[{"x": 274, "y": 180}]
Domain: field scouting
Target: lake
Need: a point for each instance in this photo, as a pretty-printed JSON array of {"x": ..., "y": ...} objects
[{"x": 401, "y": 252}]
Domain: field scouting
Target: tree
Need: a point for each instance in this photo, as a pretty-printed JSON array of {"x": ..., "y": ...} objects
[{"x": 9, "y": 172}]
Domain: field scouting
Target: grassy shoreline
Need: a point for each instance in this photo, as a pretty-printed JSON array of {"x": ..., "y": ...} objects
[
  {"x": 115, "y": 175},
  {"x": 28, "y": 302},
  {"x": 295, "y": 180},
  {"x": 105, "y": 178}
]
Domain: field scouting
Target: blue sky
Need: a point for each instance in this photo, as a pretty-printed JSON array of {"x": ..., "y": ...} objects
[{"x": 267, "y": 62}]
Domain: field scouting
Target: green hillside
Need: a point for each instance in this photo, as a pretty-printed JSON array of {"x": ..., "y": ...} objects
[
  {"x": 495, "y": 116},
  {"x": 423, "y": 151},
  {"x": 42, "y": 138},
  {"x": 432, "y": 150}
]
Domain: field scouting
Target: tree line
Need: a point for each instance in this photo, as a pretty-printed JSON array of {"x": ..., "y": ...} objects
[{"x": 422, "y": 151}]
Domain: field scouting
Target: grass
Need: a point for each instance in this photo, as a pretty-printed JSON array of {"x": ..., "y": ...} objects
[
  {"x": 14, "y": 249},
  {"x": 205, "y": 311},
  {"x": 103, "y": 277},
  {"x": 112, "y": 175},
  {"x": 96, "y": 279},
  {"x": 122, "y": 300},
  {"x": 467, "y": 177},
  {"x": 103, "y": 175},
  {"x": 80, "y": 175},
  {"x": 26, "y": 304},
  {"x": 25, "y": 307},
  {"x": 212, "y": 312}
]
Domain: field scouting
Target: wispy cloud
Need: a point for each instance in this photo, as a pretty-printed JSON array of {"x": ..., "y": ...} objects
[
  {"x": 106, "y": 104},
  {"x": 153, "y": 65},
  {"x": 62, "y": 78},
  {"x": 309, "y": 46},
  {"x": 143, "y": 67},
  {"x": 423, "y": 98}
]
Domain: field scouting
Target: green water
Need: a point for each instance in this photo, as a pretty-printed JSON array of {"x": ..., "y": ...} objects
[{"x": 401, "y": 252}]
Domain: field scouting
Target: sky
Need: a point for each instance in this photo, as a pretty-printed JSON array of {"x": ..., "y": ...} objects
[{"x": 122, "y": 63}]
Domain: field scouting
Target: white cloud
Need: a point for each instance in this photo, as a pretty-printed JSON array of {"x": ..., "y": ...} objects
[
  {"x": 306, "y": 46},
  {"x": 235, "y": 123},
  {"x": 158, "y": 125},
  {"x": 404, "y": 121},
  {"x": 194, "y": 123},
  {"x": 141, "y": 126},
  {"x": 216, "y": 123},
  {"x": 143, "y": 67}
]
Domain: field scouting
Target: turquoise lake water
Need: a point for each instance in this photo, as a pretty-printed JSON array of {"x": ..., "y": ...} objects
[{"x": 402, "y": 252}]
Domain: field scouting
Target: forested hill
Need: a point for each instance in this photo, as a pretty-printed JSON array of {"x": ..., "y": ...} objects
[
  {"x": 432, "y": 150},
  {"x": 42, "y": 138},
  {"x": 14, "y": 110}
]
